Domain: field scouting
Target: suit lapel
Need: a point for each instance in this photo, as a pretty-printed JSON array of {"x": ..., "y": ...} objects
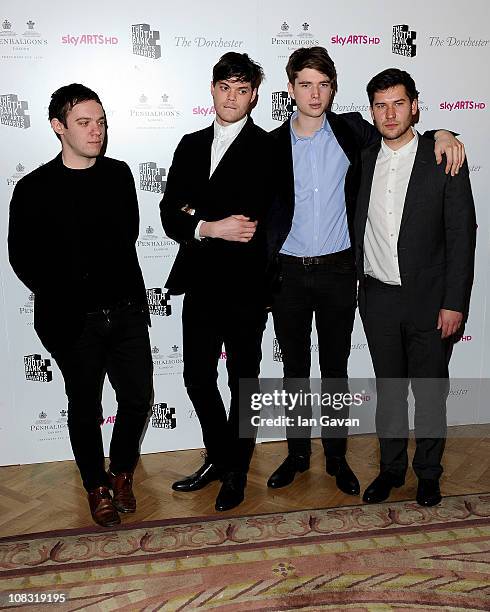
[
  {"x": 417, "y": 178},
  {"x": 237, "y": 149},
  {"x": 284, "y": 157}
]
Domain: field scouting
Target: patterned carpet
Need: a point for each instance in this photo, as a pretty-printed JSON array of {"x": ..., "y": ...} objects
[{"x": 393, "y": 556}]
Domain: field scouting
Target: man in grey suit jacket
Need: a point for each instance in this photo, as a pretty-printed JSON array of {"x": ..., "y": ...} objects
[{"x": 415, "y": 234}]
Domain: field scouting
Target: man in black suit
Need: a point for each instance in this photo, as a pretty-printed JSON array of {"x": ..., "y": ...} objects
[
  {"x": 415, "y": 234},
  {"x": 214, "y": 203},
  {"x": 310, "y": 233},
  {"x": 79, "y": 213}
]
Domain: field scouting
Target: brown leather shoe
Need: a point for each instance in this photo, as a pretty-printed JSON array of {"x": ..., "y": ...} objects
[
  {"x": 102, "y": 508},
  {"x": 122, "y": 489}
]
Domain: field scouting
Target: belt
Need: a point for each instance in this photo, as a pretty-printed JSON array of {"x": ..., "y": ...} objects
[
  {"x": 116, "y": 306},
  {"x": 331, "y": 258}
]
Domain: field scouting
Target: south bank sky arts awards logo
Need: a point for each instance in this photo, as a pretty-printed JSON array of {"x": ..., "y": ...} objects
[
  {"x": 152, "y": 177},
  {"x": 37, "y": 369},
  {"x": 403, "y": 41},
  {"x": 163, "y": 416},
  {"x": 283, "y": 105},
  {"x": 13, "y": 112},
  {"x": 145, "y": 41},
  {"x": 158, "y": 302}
]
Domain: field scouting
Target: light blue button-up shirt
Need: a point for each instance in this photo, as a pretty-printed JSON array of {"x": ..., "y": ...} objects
[{"x": 320, "y": 221}]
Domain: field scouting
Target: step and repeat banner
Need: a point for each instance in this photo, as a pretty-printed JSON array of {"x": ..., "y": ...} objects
[{"x": 151, "y": 65}]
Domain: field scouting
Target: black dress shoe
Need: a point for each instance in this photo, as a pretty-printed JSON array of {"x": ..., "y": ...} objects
[
  {"x": 380, "y": 488},
  {"x": 286, "y": 472},
  {"x": 232, "y": 491},
  {"x": 345, "y": 478},
  {"x": 204, "y": 475},
  {"x": 428, "y": 492}
]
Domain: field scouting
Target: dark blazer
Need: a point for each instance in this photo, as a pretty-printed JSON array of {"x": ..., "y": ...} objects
[
  {"x": 47, "y": 250},
  {"x": 239, "y": 185},
  {"x": 436, "y": 242},
  {"x": 353, "y": 134}
]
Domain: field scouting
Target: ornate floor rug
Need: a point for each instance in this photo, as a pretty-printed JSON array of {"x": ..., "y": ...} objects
[{"x": 392, "y": 556}]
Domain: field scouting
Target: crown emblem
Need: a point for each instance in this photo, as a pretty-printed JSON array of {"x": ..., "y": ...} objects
[
  {"x": 155, "y": 350},
  {"x": 149, "y": 230},
  {"x": 20, "y": 168},
  {"x": 284, "y": 27},
  {"x": 31, "y": 297},
  {"x": 306, "y": 26},
  {"x": 6, "y": 25},
  {"x": 42, "y": 415},
  {"x": 164, "y": 98},
  {"x": 30, "y": 24},
  {"x": 63, "y": 413},
  {"x": 143, "y": 99},
  {"x": 175, "y": 348}
]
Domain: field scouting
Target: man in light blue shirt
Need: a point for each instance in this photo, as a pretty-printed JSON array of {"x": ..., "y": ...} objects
[{"x": 310, "y": 233}]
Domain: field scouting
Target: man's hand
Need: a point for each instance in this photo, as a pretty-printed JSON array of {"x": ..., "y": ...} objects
[
  {"x": 235, "y": 228},
  {"x": 449, "y": 321},
  {"x": 452, "y": 147}
]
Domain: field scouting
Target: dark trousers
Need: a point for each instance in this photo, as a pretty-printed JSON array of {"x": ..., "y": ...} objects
[
  {"x": 324, "y": 287},
  {"x": 208, "y": 323},
  {"x": 403, "y": 354},
  {"x": 115, "y": 343}
]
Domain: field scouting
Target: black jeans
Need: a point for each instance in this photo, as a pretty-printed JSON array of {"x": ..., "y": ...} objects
[
  {"x": 115, "y": 343},
  {"x": 403, "y": 354},
  {"x": 326, "y": 288},
  {"x": 209, "y": 322}
]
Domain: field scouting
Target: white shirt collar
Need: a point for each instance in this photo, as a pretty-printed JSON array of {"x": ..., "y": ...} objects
[
  {"x": 225, "y": 132},
  {"x": 404, "y": 151}
]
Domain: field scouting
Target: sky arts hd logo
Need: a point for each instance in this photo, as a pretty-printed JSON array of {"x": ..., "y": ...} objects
[
  {"x": 37, "y": 369},
  {"x": 13, "y": 112},
  {"x": 151, "y": 177},
  {"x": 158, "y": 302},
  {"x": 462, "y": 105},
  {"x": 355, "y": 39},
  {"x": 89, "y": 39},
  {"x": 283, "y": 105},
  {"x": 145, "y": 41},
  {"x": 163, "y": 416},
  {"x": 403, "y": 41}
]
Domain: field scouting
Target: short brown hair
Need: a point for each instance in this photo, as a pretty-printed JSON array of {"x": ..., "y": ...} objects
[{"x": 316, "y": 58}]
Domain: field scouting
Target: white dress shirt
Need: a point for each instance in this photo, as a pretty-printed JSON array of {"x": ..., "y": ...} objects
[
  {"x": 224, "y": 135},
  {"x": 390, "y": 182}
]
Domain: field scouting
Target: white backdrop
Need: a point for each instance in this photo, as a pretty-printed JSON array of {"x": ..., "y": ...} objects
[{"x": 151, "y": 65}]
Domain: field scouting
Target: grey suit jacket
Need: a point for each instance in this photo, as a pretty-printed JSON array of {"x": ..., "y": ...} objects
[{"x": 436, "y": 242}]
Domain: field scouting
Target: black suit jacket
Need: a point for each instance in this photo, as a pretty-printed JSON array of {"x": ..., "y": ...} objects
[
  {"x": 353, "y": 134},
  {"x": 436, "y": 242},
  {"x": 47, "y": 250},
  {"x": 239, "y": 185}
]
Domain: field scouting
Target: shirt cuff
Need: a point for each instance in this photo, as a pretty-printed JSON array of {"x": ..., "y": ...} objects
[{"x": 196, "y": 231}]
